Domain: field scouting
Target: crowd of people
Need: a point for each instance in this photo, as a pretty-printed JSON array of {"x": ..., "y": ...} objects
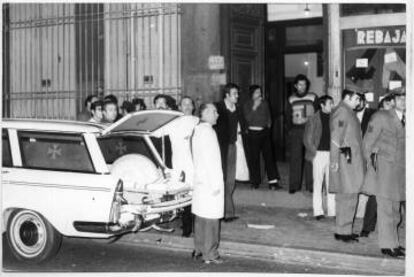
[
  {"x": 356, "y": 150},
  {"x": 106, "y": 110},
  {"x": 343, "y": 151}
]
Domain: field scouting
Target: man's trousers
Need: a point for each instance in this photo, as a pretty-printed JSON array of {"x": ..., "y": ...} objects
[
  {"x": 298, "y": 166},
  {"x": 206, "y": 237},
  {"x": 260, "y": 142},
  {"x": 346, "y": 204},
  {"x": 388, "y": 219},
  {"x": 370, "y": 216},
  {"x": 230, "y": 181},
  {"x": 187, "y": 219},
  {"x": 320, "y": 167}
]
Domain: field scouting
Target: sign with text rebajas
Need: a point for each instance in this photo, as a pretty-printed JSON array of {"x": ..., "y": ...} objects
[{"x": 376, "y": 36}]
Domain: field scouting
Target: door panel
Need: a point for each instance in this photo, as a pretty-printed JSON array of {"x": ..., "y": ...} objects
[
  {"x": 243, "y": 44},
  {"x": 243, "y": 69}
]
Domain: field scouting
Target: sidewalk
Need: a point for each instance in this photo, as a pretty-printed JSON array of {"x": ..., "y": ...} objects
[{"x": 295, "y": 237}]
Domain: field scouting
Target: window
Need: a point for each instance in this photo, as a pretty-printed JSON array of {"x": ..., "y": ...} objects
[
  {"x": 6, "y": 156},
  {"x": 114, "y": 147},
  {"x": 365, "y": 9},
  {"x": 304, "y": 35},
  {"x": 54, "y": 151},
  {"x": 375, "y": 60}
]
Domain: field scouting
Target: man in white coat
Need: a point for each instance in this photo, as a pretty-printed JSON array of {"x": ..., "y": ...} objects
[{"x": 208, "y": 194}]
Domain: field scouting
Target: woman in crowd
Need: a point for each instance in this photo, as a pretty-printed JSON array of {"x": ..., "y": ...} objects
[{"x": 257, "y": 114}]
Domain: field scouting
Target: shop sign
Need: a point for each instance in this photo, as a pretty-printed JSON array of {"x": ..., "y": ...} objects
[
  {"x": 381, "y": 36},
  {"x": 216, "y": 62}
]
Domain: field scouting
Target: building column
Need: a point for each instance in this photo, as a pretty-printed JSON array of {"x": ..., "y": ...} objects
[
  {"x": 200, "y": 30},
  {"x": 335, "y": 53}
]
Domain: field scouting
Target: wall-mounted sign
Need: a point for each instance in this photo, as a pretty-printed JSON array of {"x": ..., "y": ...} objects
[
  {"x": 375, "y": 36},
  {"x": 369, "y": 96},
  {"x": 394, "y": 84},
  {"x": 390, "y": 57},
  {"x": 361, "y": 63},
  {"x": 395, "y": 35},
  {"x": 216, "y": 62}
]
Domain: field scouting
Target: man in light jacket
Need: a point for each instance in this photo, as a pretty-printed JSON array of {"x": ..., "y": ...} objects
[
  {"x": 208, "y": 193},
  {"x": 384, "y": 149},
  {"x": 317, "y": 143},
  {"x": 347, "y": 169}
]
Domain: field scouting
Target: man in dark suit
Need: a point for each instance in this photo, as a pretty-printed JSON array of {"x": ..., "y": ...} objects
[
  {"x": 384, "y": 148},
  {"x": 229, "y": 124},
  {"x": 364, "y": 114}
]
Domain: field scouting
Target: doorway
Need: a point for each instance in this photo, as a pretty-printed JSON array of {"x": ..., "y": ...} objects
[{"x": 292, "y": 47}]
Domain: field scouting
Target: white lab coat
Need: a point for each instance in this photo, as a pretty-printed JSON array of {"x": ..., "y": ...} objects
[
  {"x": 208, "y": 173},
  {"x": 180, "y": 131},
  {"x": 242, "y": 170},
  {"x": 180, "y": 146}
]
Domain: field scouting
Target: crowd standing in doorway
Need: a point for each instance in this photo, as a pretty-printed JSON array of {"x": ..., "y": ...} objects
[{"x": 344, "y": 151}]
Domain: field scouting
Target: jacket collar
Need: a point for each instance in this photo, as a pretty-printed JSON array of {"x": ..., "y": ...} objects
[{"x": 396, "y": 119}]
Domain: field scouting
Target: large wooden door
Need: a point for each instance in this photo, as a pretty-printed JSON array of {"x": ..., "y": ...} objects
[{"x": 243, "y": 44}]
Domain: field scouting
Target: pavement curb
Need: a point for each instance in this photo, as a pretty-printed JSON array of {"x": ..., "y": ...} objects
[{"x": 310, "y": 257}]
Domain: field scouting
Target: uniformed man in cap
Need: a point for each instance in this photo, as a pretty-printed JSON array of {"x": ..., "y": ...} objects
[
  {"x": 346, "y": 164},
  {"x": 384, "y": 149},
  {"x": 370, "y": 216}
]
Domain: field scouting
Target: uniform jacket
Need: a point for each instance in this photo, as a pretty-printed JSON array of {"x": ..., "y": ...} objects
[
  {"x": 208, "y": 174},
  {"x": 386, "y": 137},
  {"x": 312, "y": 135},
  {"x": 346, "y": 132},
  {"x": 222, "y": 129}
]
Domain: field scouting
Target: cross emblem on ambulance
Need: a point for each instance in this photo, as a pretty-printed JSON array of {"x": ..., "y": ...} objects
[
  {"x": 54, "y": 151},
  {"x": 121, "y": 148}
]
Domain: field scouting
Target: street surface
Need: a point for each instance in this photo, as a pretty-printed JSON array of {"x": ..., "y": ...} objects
[{"x": 84, "y": 255}]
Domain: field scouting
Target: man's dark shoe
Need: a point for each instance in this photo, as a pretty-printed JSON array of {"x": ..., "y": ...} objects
[
  {"x": 399, "y": 252},
  {"x": 230, "y": 219},
  {"x": 395, "y": 253},
  {"x": 347, "y": 238},
  {"x": 364, "y": 234},
  {"x": 319, "y": 217},
  {"x": 186, "y": 234},
  {"x": 255, "y": 186},
  {"x": 292, "y": 191},
  {"x": 354, "y": 236},
  {"x": 195, "y": 256},
  {"x": 274, "y": 186}
]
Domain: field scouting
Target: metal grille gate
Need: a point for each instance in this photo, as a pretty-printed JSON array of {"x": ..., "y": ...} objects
[{"x": 58, "y": 54}]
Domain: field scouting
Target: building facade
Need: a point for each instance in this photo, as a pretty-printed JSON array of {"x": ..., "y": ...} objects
[{"x": 57, "y": 54}]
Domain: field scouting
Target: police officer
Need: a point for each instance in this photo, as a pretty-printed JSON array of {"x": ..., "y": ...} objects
[
  {"x": 384, "y": 148},
  {"x": 346, "y": 173}
]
